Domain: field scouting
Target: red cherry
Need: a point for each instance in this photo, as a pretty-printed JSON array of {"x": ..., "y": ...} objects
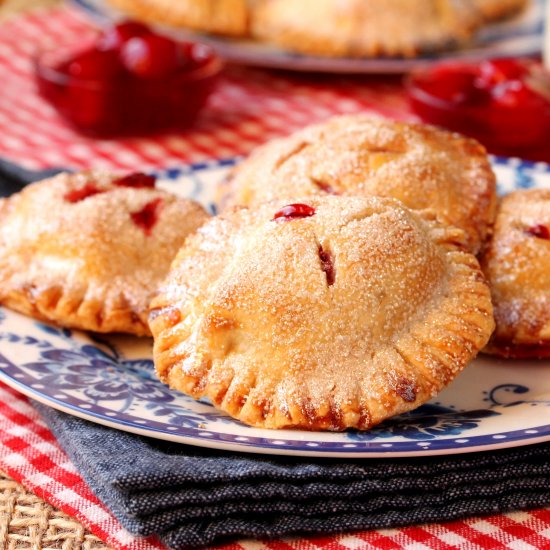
[
  {"x": 147, "y": 217},
  {"x": 199, "y": 54},
  {"x": 151, "y": 56},
  {"x": 294, "y": 211},
  {"x": 92, "y": 64},
  {"x": 136, "y": 179},
  {"x": 540, "y": 231},
  {"x": 113, "y": 37},
  {"x": 514, "y": 94},
  {"x": 454, "y": 84},
  {"x": 77, "y": 195},
  {"x": 88, "y": 107},
  {"x": 186, "y": 56},
  {"x": 496, "y": 71}
]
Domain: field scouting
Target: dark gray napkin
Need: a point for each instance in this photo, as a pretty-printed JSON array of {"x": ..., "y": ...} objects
[
  {"x": 191, "y": 496},
  {"x": 13, "y": 177}
]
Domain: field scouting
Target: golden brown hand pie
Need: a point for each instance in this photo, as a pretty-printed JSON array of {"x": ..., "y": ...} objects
[
  {"x": 517, "y": 266},
  {"x": 365, "y": 27},
  {"x": 87, "y": 250},
  {"x": 228, "y": 17},
  {"x": 359, "y": 155},
  {"x": 331, "y": 313},
  {"x": 494, "y": 10}
]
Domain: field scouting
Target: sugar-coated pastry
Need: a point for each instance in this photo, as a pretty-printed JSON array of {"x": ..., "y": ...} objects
[
  {"x": 87, "y": 250},
  {"x": 325, "y": 314},
  {"x": 517, "y": 265},
  {"x": 365, "y": 27},
  {"x": 360, "y": 155},
  {"x": 227, "y": 17}
]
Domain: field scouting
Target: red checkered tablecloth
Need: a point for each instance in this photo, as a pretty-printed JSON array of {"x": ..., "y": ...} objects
[{"x": 249, "y": 107}]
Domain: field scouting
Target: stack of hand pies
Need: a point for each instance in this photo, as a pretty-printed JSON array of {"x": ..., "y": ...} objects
[
  {"x": 333, "y": 28},
  {"x": 338, "y": 287}
]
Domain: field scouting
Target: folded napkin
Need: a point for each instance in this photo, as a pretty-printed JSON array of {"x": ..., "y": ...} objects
[
  {"x": 13, "y": 177},
  {"x": 190, "y": 496}
]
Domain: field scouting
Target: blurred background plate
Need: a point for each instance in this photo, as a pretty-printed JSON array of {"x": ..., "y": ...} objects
[{"x": 520, "y": 36}]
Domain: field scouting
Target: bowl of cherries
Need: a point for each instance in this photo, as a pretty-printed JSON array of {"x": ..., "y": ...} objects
[
  {"x": 129, "y": 80},
  {"x": 504, "y": 103}
]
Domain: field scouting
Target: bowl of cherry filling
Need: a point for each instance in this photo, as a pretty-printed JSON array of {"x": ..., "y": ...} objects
[
  {"x": 129, "y": 80},
  {"x": 503, "y": 103}
]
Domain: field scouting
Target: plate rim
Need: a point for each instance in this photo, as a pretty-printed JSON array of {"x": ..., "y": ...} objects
[{"x": 242, "y": 446}]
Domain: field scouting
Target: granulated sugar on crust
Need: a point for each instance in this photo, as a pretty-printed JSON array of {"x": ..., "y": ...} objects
[{"x": 422, "y": 166}]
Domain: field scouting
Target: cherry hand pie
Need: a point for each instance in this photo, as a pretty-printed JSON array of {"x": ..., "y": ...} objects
[
  {"x": 87, "y": 250},
  {"x": 359, "y": 155},
  {"x": 517, "y": 266},
  {"x": 227, "y": 17},
  {"x": 324, "y": 314},
  {"x": 366, "y": 27},
  {"x": 494, "y": 10}
]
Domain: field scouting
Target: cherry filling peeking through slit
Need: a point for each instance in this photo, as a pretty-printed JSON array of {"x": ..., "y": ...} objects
[
  {"x": 325, "y": 187},
  {"x": 293, "y": 212},
  {"x": 540, "y": 231},
  {"x": 147, "y": 217},
  {"x": 327, "y": 265},
  {"x": 135, "y": 180},
  {"x": 77, "y": 195}
]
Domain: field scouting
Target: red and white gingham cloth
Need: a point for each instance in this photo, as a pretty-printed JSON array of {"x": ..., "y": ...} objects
[{"x": 250, "y": 106}]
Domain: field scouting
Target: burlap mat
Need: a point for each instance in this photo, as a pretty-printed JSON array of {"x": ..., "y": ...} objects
[{"x": 27, "y": 522}]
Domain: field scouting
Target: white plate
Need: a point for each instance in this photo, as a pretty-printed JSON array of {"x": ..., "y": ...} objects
[
  {"x": 519, "y": 36},
  {"x": 492, "y": 404}
]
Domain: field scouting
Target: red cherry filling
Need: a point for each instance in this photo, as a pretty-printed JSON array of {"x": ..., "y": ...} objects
[
  {"x": 327, "y": 265},
  {"x": 540, "y": 350},
  {"x": 131, "y": 81},
  {"x": 496, "y": 71},
  {"x": 325, "y": 187},
  {"x": 540, "y": 231},
  {"x": 294, "y": 211},
  {"x": 93, "y": 64},
  {"x": 504, "y": 103},
  {"x": 406, "y": 390},
  {"x": 77, "y": 195},
  {"x": 456, "y": 87},
  {"x": 113, "y": 37},
  {"x": 147, "y": 217},
  {"x": 150, "y": 56},
  {"x": 136, "y": 179}
]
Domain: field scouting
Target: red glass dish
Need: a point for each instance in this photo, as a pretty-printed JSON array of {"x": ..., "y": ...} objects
[
  {"x": 93, "y": 90},
  {"x": 505, "y": 103}
]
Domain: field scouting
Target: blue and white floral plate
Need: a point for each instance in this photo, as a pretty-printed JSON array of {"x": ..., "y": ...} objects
[
  {"x": 522, "y": 35},
  {"x": 110, "y": 380}
]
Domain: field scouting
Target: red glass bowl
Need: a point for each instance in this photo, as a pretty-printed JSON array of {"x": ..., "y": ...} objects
[
  {"x": 518, "y": 129},
  {"x": 124, "y": 104}
]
